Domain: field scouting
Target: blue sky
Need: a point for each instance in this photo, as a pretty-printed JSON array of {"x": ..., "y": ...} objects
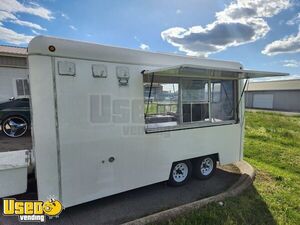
[{"x": 261, "y": 34}]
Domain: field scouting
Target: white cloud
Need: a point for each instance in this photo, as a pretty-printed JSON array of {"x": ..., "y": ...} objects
[
  {"x": 13, "y": 6},
  {"x": 13, "y": 37},
  {"x": 144, "y": 46},
  {"x": 8, "y": 17},
  {"x": 291, "y": 63},
  {"x": 8, "y": 13},
  {"x": 241, "y": 22},
  {"x": 178, "y": 11},
  {"x": 73, "y": 27},
  {"x": 294, "y": 20},
  {"x": 35, "y": 32},
  {"x": 289, "y": 44},
  {"x": 65, "y": 16},
  {"x": 28, "y": 24}
]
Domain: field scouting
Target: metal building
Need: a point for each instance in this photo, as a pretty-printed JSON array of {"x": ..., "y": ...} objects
[
  {"x": 13, "y": 72},
  {"x": 282, "y": 95}
]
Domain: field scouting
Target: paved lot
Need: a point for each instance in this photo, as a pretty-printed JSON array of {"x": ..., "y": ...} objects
[
  {"x": 11, "y": 144},
  {"x": 136, "y": 203},
  {"x": 128, "y": 205}
]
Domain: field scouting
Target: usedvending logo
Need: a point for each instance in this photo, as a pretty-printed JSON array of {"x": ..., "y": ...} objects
[{"x": 33, "y": 211}]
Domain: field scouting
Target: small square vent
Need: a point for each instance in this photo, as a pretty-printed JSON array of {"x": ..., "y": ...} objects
[
  {"x": 99, "y": 71},
  {"x": 66, "y": 68},
  {"x": 123, "y": 75}
]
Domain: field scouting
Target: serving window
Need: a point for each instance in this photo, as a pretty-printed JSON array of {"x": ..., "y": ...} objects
[{"x": 178, "y": 103}]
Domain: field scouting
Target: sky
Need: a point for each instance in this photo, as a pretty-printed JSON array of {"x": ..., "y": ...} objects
[{"x": 261, "y": 34}]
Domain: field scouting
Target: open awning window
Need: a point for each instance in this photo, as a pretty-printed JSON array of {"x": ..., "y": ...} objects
[{"x": 211, "y": 72}]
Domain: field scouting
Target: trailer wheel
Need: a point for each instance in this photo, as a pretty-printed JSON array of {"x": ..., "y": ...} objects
[
  {"x": 181, "y": 172},
  {"x": 204, "y": 167}
]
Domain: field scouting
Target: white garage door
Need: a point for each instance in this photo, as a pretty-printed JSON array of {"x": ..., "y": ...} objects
[{"x": 264, "y": 101}]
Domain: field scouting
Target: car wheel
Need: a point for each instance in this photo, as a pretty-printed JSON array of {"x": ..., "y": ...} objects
[
  {"x": 181, "y": 172},
  {"x": 14, "y": 126},
  {"x": 204, "y": 167}
]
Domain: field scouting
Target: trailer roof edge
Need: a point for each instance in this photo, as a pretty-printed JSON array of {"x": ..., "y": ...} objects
[{"x": 75, "y": 49}]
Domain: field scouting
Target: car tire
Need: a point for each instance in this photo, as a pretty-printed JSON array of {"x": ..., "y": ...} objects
[
  {"x": 180, "y": 173},
  {"x": 14, "y": 126},
  {"x": 204, "y": 167}
]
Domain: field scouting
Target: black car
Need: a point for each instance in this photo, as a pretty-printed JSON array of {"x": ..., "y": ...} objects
[{"x": 15, "y": 117}]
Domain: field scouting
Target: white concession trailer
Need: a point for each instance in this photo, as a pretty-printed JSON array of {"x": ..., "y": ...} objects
[{"x": 106, "y": 120}]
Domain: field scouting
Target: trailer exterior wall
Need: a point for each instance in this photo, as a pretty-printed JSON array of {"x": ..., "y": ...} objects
[{"x": 72, "y": 150}]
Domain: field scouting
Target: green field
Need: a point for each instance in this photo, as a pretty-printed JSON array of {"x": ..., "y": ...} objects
[{"x": 272, "y": 146}]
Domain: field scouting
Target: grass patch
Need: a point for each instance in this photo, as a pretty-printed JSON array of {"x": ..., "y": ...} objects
[
  {"x": 272, "y": 146},
  {"x": 160, "y": 108}
]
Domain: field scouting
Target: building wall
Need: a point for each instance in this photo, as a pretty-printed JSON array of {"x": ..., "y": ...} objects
[
  {"x": 11, "y": 61},
  {"x": 8, "y": 78},
  {"x": 285, "y": 100}
]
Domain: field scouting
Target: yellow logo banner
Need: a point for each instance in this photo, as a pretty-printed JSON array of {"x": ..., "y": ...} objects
[{"x": 30, "y": 210}]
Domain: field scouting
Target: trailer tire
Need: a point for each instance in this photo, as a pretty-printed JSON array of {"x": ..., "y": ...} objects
[
  {"x": 204, "y": 167},
  {"x": 180, "y": 173}
]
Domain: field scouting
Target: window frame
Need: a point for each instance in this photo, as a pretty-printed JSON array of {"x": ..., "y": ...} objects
[{"x": 203, "y": 123}]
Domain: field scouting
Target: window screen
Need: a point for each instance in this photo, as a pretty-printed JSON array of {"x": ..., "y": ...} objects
[
  {"x": 223, "y": 100},
  {"x": 22, "y": 87}
]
